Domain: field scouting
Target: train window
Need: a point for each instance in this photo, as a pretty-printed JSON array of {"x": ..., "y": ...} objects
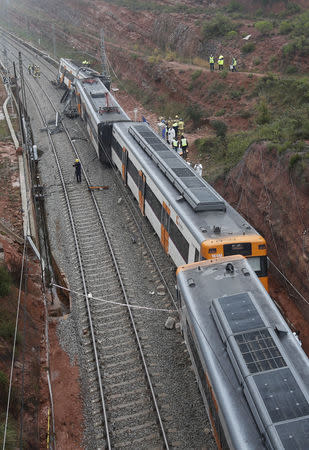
[
  {"x": 179, "y": 240},
  {"x": 255, "y": 263},
  {"x": 116, "y": 147},
  {"x": 259, "y": 265},
  {"x": 153, "y": 202},
  {"x": 196, "y": 255},
  {"x": 239, "y": 248},
  {"x": 132, "y": 171}
]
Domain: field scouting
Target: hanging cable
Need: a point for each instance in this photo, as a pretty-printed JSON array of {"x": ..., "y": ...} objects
[{"x": 14, "y": 345}]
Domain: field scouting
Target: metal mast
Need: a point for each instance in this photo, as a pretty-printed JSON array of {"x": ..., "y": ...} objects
[{"x": 105, "y": 71}]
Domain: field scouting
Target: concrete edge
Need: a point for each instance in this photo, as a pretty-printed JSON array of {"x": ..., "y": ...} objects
[{"x": 9, "y": 122}]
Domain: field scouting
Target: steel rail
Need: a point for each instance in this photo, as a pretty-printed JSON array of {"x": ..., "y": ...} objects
[
  {"x": 122, "y": 287},
  {"x": 128, "y": 201},
  {"x": 150, "y": 385},
  {"x": 81, "y": 270}
]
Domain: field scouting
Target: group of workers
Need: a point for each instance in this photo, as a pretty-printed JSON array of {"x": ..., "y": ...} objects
[
  {"x": 172, "y": 131},
  {"x": 220, "y": 62},
  {"x": 34, "y": 70}
]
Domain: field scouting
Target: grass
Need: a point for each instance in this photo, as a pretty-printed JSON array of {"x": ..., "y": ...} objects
[
  {"x": 5, "y": 282},
  {"x": 141, "y": 5},
  {"x": 11, "y": 434},
  {"x": 4, "y": 130}
]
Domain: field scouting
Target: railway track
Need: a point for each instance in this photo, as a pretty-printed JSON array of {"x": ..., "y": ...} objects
[
  {"x": 127, "y": 403},
  {"x": 125, "y": 411}
]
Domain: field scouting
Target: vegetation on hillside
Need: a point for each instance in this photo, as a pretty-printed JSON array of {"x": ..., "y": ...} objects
[{"x": 278, "y": 110}]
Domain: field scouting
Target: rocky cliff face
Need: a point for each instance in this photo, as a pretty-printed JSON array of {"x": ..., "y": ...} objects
[{"x": 272, "y": 193}]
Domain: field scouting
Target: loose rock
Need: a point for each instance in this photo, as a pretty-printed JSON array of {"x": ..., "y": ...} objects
[{"x": 170, "y": 323}]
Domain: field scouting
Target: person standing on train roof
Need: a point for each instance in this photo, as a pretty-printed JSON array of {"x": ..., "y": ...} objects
[{"x": 78, "y": 170}]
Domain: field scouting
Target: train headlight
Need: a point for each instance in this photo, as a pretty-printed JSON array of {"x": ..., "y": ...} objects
[{"x": 262, "y": 246}]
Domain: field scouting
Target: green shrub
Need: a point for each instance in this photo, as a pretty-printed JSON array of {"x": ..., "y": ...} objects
[
  {"x": 232, "y": 34},
  {"x": 196, "y": 75},
  {"x": 216, "y": 88},
  {"x": 291, "y": 69},
  {"x": 220, "y": 128},
  {"x": 264, "y": 27},
  {"x": 245, "y": 114},
  {"x": 220, "y": 25},
  {"x": 7, "y": 329},
  {"x": 284, "y": 147},
  {"x": 294, "y": 160},
  {"x": 194, "y": 113},
  {"x": 235, "y": 94},
  {"x": 263, "y": 112},
  {"x": 248, "y": 47},
  {"x": 5, "y": 281},
  {"x": 257, "y": 61},
  {"x": 285, "y": 27},
  {"x": 4, "y": 387},
  {"x": 299, "y": 146},
  {"x": 273, "y": 60},
  {"x": 223, "y": 74},
  {"x": 234, "y": 6},
  {"x": 293, "y": 8},
  {"x": 221, "y": 112},
  {"x": 302, "y": 132}
]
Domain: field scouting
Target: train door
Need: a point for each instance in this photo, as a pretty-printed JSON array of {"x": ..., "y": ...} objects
[
  {"x": 124, "y": 165},
  {"x": 78, "y": 101},
  {"x": 165, "y": 226},
  {"x": 141, "y": 191}
]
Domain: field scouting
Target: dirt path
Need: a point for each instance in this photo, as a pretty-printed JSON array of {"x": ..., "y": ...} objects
[{"x": 184, "y": 66}]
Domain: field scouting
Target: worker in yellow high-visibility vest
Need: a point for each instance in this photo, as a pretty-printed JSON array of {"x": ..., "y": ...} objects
[
  {"x": 212, "y": 63},
  {"x": 221, "y": 62},
  {"x": 184, "y": 145}
]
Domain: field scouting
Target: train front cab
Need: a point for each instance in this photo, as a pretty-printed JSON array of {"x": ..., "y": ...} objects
[{"x": 253, "y": 247}]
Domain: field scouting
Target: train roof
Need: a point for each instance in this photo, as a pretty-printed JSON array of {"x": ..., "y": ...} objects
[
  {"x": 103, "y": 106},
  {"x": 84, "y": 72},
  {"x": 259, "y": 373},
  {"x": 196, "y": 203}
]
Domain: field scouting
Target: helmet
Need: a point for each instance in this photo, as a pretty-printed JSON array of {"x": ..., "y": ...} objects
[
  {"x": 76, "y": 160},
  {"x": 176, "y": 117}
]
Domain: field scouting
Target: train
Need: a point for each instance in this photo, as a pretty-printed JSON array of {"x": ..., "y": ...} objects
[
  {"x": 252, "y": 373},
  {"x": 192, "y": 221},
  {"x": 251, "y": 370}
]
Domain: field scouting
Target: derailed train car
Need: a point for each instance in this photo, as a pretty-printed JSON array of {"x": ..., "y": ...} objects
[
  {"x": 251, "y": 370},
  {"x": 69, "y": 71},
  {"x": 192, "y": 221}
]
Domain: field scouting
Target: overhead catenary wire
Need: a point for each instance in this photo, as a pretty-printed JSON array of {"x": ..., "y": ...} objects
[
  {"x": 240, "y": 172},
  {"x": 288, "y": 281}
]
